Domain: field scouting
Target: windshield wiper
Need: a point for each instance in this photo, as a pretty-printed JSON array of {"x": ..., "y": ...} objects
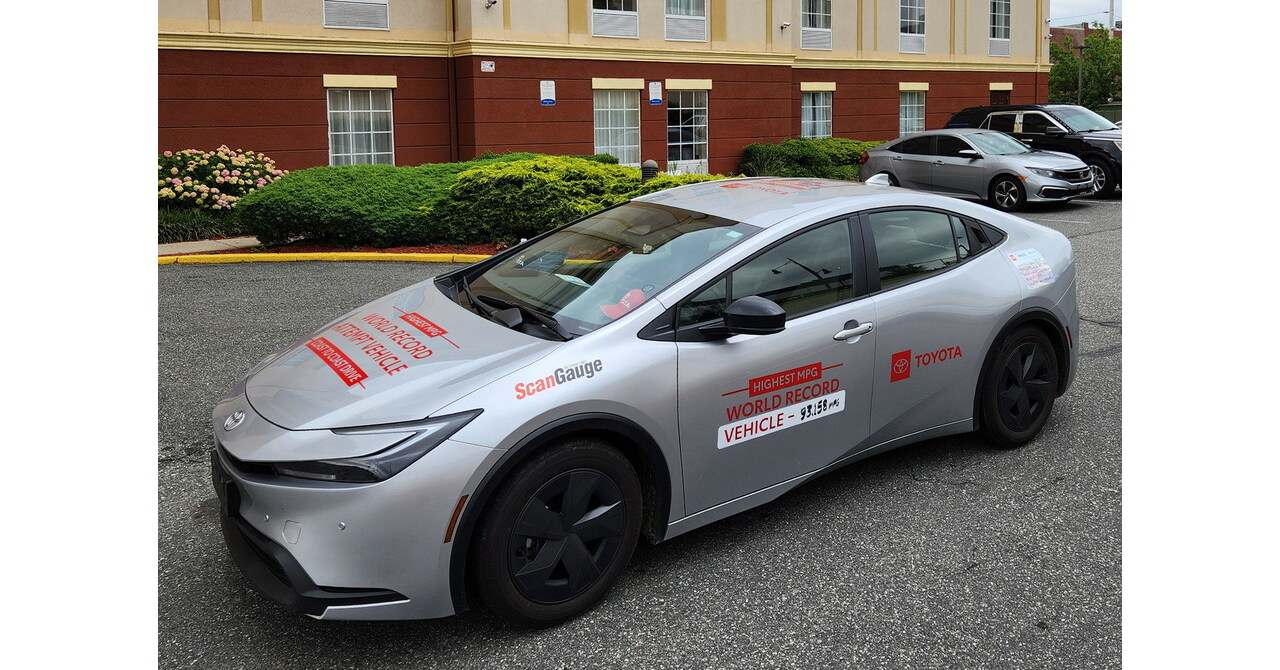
[{"x": 544, "y": 320}]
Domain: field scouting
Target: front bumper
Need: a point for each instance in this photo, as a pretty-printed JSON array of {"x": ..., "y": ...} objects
[
  {"x": 1048, "y": 189},
  {"x": 349, "y": 551}
]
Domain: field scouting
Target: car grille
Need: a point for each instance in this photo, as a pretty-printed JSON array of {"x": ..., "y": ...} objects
[{"x": 1077, "y": 175}]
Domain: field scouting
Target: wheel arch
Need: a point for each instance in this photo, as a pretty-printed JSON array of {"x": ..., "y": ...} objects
[
  {"x": 1053, "y": 329},
  {"x": 629, "y": 438}
]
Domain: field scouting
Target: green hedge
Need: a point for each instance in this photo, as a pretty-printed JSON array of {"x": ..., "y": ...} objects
[
  {"x": 828, "y": 157},
  {"x": 509, "y": 201},
  {"x": 186, "y": 225}
]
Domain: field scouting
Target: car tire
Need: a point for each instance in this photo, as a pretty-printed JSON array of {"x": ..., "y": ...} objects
[
  {"x": 558, "y": 534},
  {"x": 1007, "y": 194},
  {"x": 1104, "y": 176},
  {"x": 1018, "y": 389}
]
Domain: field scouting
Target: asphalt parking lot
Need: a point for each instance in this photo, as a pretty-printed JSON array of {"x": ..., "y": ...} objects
[{"x": 945, "y": 554}]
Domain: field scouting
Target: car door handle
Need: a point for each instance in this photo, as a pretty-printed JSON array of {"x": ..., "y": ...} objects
[
  {"x": 939, "y": 163},
  {"x": 897, "y": 158},
  {"x": 847, "y": 333}
]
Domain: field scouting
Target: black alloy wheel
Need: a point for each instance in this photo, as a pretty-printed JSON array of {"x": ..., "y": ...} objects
[
  {"x": 566, "y": 536},
  {"x": 1019, "y": 389},
  {"x": 1007, "y": 194},
  {"x": 557, "y": 534}
]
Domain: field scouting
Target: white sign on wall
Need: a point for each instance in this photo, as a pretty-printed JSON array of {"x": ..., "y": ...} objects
[
  {"x": 655, "y": 93},
  {"x": 547, "y": 93}
]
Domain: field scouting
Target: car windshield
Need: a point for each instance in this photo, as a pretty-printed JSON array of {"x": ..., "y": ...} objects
[
  {"x": 998, "y": 144},
  {"x": 596, "y": 270},
  {"x": 1082, "y": 120}
]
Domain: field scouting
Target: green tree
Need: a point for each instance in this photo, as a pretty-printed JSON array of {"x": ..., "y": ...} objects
[{"x": 1101, "y": 69}]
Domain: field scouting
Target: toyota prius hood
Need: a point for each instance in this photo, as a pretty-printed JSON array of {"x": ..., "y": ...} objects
[{"x": 399, "y": 358}]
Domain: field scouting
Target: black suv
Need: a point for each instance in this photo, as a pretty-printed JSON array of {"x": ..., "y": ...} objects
[{"x": 1071, "y": 129}]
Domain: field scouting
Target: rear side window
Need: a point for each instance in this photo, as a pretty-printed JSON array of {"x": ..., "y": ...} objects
[
  {"x": 911, "y": 244},
  {"x": 916, "y": 145},
  {"x": 1000, "y": 122},
  {"x": 808, "y": 272}
]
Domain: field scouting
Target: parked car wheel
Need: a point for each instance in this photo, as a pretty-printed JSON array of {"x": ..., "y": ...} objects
[
  {"x": 1007, "y": 194},
  {"x": 1018, "y": 389},
  {"x": 559, "y": 534},
  {"x": 1104, "y": 178}
]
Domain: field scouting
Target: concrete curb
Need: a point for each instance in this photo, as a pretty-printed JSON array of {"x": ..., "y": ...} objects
[{"x": 326, "y": 256}]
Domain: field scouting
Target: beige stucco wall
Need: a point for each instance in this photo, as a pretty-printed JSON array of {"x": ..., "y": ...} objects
[{"x": 414, "y": 20}]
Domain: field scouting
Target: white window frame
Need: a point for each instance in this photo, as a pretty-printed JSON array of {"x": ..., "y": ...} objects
[
  {"x": 675, "y": 103},
  {"x": 351, "y": 115},
  {"x": 684, "y": 16},
  {"x": 814, "y": 35},
  {"x": 633, "y": 14},
  {"x": 998, "y": 35},
  {"x": 911, "y": 31},
  {"x": 330, "y": 4},
  {"x": 815, "y": 113},
  {"x": 617, "y": 104},
  {"x": 908, "y": 103}
]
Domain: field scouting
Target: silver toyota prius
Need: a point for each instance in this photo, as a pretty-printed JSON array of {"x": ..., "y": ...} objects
[
  {"x": 980, "y": 164},
  {"x": 507, "y": 432}
]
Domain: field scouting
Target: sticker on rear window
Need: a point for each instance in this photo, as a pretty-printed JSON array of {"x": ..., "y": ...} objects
[{"x": 1033, "y": 267}]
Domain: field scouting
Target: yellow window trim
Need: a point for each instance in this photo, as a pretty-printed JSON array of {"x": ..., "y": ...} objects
[
  {"x": 616, "y": 84},
  {"x": 359, "y": 81},
  {"x": 913, "y": 86},
  {"x": 1001, "y": 86},
  {"x": 817, "y": 86},
  {"x": 688, "y": 84}
]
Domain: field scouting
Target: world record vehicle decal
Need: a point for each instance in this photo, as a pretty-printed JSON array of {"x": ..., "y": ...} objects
[
  {"x": 782, "y": 400},
  {"x": 381, "y": 341}
]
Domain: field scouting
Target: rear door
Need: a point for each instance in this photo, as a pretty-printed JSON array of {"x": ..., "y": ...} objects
[
  {"x": 935, "y": 303},
  {"x": 756, "y": 410},
  {"x": 913, "y": 164}
]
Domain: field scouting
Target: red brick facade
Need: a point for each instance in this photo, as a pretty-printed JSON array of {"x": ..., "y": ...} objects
[{"x": 275, "y": 103}]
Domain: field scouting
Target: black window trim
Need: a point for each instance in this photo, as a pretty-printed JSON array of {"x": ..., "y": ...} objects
[
  {"x": 872, "y": 260},
  {"x": 666, "y": 328}
]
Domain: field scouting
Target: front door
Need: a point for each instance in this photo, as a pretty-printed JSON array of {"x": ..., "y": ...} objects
[
  {"x": 956, "y": 174},
  {"x": 756, "y": 410}
]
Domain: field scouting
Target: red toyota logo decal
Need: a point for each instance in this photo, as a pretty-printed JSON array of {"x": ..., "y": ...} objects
[{"x": 900, "y": 366}]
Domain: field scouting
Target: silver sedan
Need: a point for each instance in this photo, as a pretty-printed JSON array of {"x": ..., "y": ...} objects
[{"x": 981, "y": 164}]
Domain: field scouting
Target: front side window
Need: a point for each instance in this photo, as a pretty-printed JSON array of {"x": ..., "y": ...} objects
[
  {"x": 815, "y": 114},
  {"x": 913, "y": 243},
  {"x": 808, "y": 272},
  {"x": 617, "y": 125},
  {"x": 360, "y": 128},
  {"x": 1034, "y": 122},
  {"x": 910, "y": 112},
  {"x": 950, "y": 146},
  {"x": 687, "y": 132},
  {"x": 595, "y": 271}
]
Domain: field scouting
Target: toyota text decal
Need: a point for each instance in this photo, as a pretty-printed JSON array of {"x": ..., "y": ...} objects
[{"x": 900, "y": 364}]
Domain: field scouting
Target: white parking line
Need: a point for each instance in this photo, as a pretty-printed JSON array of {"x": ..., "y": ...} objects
[{"x": 1064, "y": 221}]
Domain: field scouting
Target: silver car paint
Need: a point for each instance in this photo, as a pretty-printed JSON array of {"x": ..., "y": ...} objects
[
  {"x": 677, "y": 392},
  {"x": 972, "y": 178}
]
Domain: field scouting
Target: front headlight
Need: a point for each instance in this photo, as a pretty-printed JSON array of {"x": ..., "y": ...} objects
[
  {"x": 381, "y": 465},
  {"x": 1043, "y": 172}
]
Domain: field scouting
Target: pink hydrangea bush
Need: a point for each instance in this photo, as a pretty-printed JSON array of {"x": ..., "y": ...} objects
[{"x": 213, "y": 180}]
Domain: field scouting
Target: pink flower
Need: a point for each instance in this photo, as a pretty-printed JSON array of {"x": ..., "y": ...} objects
[
  {"x": 226, "y": 173},
  {"x": 262, "y": 182},
  {"x": 176, "y": 180},
  {"x": 186, "y": 179}
]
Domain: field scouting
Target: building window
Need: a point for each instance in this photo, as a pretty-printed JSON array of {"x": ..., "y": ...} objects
[
  {"x": 360, "y": 126},
  {"x": 910, "y": 112},
  {"x": 687, "y": 132},
  {"x": 815, "y": 24},
  {"x": 615, "y": 18},
  {"x": 356, "y": 14},
  {"x": 617, "y": 115},
  {"x": 815, "y": 114},
  {"x": 911, "y": 26},
  {"x": 687, "y": 20},
  {"x": 998, "y": 44}
]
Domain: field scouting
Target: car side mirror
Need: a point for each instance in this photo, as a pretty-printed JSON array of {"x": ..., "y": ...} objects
[
  {"x": 751, "y": 315},
  {"x": 1054, "y": 131},
  {"x": 970, "y": 154}
]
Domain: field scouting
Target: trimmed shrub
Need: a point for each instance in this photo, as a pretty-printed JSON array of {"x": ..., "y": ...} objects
[
  {"x": 214, "y": 180},
  {"x": 663, "y": 182},
  {"x": 379, "y": 205},
  {"x": 186, "y": 225},
  {"x": 508, "y": 201},
  {"x": 829, "y": 158}
]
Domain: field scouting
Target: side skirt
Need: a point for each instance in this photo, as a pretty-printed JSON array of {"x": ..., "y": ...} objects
[{"x": 769, "y": 493}]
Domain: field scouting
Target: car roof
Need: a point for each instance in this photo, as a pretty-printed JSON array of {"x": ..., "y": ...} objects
[{"x": 765, "y": 201}]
